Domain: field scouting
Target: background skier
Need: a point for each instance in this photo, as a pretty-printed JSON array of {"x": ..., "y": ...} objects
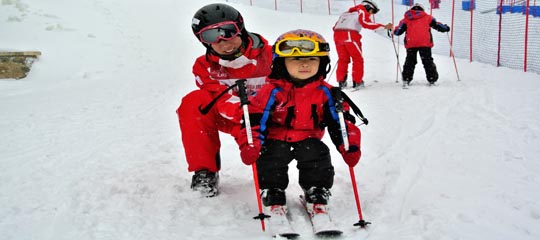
[
  {"x": 417, "y": 24},
  {"x": 348, "y": 42}
]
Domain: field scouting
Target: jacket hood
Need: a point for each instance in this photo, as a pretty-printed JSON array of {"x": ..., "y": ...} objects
[{"x": 414, "y": 14}]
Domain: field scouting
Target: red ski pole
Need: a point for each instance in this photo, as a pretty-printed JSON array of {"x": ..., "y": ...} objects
[
  {"x": 261, "y": 215},
  {"x": 361, "y": 222}
]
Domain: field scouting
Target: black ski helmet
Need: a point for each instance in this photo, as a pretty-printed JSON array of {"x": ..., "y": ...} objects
[
  {"x": 216, "y": 13},
  {"x": 370, "y": 5},
  {"x": 417, "y": 6}
]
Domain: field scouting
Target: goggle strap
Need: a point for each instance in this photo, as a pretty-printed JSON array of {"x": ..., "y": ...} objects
[
  {"x": 217, "y": 25},
  {"x": 324, "y": 47}
]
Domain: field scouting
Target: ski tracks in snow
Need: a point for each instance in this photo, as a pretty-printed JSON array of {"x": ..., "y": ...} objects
[
  {"x": 457, "y": 119},
  {"x": 409, "y": 166}
]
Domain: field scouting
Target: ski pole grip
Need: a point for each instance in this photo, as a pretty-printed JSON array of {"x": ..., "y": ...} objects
[
  {"x": 241, "y": 83},
  {"x": 342, "y": 126},
  {"x": 339, "y": 100},
  {"x": 242, "y": 93}
]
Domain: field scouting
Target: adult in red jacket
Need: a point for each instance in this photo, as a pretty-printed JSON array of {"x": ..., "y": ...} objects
[
  {"x": 296, "y": 107},
  {"x": 232, "y": 53},
  {"x": 348, "y": 42},
  {"x": 418, "y": 39}
]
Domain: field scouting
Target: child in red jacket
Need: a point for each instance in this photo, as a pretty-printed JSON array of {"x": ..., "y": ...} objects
[
  {"x": 295, "y": 107},
  {"x": 418, "y": 39}
]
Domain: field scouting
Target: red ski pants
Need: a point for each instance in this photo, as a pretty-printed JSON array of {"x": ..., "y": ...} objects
[
  {"x": 200, "y": 133},
  {"x": 349, "y": 46}
]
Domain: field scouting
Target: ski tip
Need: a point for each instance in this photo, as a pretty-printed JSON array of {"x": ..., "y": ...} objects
[
  {"x": 329, "y": 233},
  {"x": 287, "y": 235}
]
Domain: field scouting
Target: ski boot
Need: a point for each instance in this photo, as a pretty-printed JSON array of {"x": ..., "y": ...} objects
[
  {"x": 205, "y": 182},
  {"x": 316, "y": 203},
  {"x": 407, "y": 81},
  {"x": 317, "y": 195},
  {"x": 343, "y": 83},
  {"x": 274, "y": 196},
  {"x": 432, "y": 81},
  {"x": 274, "y": 201},
  {"x": 357, "y": 86}
]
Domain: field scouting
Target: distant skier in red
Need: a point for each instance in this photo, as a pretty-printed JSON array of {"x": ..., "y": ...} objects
[
  {"x": 348, "y": 42},
  {"x": 418, "y": 39}
]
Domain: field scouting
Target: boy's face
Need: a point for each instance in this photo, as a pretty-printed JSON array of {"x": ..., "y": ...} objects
[
  {"x": 302, "y": 68},
  {"x": 224, "y": 47}
]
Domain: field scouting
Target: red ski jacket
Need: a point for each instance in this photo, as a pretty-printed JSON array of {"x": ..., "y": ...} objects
[
  {"x": 214, "y": 74},
  {"x": 417, "y": 24},
  {"x": 355, "y": 19},
  {"x": 293, "y": 113}
]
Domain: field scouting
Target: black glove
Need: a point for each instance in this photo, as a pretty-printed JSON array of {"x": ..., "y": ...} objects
[{"x": 447, "y": 28}]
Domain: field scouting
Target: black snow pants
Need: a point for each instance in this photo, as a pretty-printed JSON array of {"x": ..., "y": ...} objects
[
  {"x": 427, "y": 60},
  {"x": 313, "y": 163}
]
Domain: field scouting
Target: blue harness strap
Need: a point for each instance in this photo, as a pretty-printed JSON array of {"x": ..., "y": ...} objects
[
  {"x": 330, "y": 102},
  {"x": 266, "y": 113}
]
